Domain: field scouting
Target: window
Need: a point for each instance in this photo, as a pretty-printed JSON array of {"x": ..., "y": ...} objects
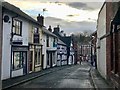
[
  {"x": 36, "y": 35},
  {"x": 17, "y": 60},
  {"x": 17, "y": 27},
  {"x": 47, "y": 41},
  {"x": 37, "y": 56},
  {"x": 54, "y": 43}
]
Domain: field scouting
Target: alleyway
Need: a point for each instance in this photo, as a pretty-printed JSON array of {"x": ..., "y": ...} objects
[{"x": 76, "y": 76}]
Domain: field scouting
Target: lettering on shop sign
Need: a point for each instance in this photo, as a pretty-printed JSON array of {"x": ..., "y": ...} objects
[{"x": 20, "y": 48}]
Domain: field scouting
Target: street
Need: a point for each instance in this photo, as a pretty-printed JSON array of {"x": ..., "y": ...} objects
[{"x": 75, "y": 76}]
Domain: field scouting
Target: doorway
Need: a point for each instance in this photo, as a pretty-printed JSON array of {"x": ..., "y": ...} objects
[
  {"x": 31, "y": 61},
  {"x": 24, "y": 63}
]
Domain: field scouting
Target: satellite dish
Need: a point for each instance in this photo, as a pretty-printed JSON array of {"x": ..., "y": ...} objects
[{"x": 6, "y": 18}]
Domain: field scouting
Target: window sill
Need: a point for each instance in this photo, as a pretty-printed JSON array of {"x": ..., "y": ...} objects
[
  {"x": 17, "y": 69},
  {"x": 117, "y": 75},
  {"x": 39, "y": 65}
]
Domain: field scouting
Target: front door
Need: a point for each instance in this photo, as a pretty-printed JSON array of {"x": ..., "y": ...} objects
[
  {"x": 42, "y": 62},
  {"x": 31, "y": 61},
  {"x": 24, "y": 63},
  {"x": 51, "y": 60}
]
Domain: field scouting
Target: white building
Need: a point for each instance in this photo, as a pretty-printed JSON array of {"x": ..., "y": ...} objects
[
  {"x": 61, "y": 53},
  {"x": 49, "y": 52},
  {"x": 101, "y": 42},
  {"x": 71, "y": 56},
  {"x": 15, "y": 41}
]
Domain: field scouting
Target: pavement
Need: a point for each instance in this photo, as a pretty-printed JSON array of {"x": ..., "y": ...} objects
[{"x": 97, "y": 80}]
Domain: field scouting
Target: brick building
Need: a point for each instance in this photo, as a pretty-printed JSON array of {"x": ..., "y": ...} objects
[
  {"x": 108, "y": 41},
  {"x": 113, "y": 42}
]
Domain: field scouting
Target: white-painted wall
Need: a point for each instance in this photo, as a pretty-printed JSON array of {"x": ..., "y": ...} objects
[
  {"x": 45, "y": 48},
  {"x": 44, "y": 51},
  {"x": 61, "y": 60},
  {"x": 101, "y": 52},
  {"x": 6, "y": 50},
  {"x": 71, "y": 57}
]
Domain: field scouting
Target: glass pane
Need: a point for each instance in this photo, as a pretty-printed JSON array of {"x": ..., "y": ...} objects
[
  {"x": 17, "y": 27},
  {"x": 35, "y": 57},
  {"x": 16, "y": 60},
  {"x": 39, "y": 56}
]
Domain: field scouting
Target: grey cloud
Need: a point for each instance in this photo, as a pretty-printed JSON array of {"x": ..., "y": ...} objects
[
  {"x": 85, "y": 5},
  {"x": 70, "y": 27}
]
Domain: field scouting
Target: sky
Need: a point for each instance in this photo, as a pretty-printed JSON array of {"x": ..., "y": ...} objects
[{"x": 73, "y": 16}]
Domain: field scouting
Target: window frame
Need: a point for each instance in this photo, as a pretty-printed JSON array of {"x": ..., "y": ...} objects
[
  {"x": 37, "y": 57},
  {"x": 15, "y": 27},
  {"x": 36, "y": 35},
  {"x": 20, "y": 60}
]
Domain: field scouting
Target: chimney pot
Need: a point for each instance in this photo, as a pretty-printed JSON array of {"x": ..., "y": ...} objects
[
  {"x": 50, "y": 29},
  {"x": 40, "y": 19}
]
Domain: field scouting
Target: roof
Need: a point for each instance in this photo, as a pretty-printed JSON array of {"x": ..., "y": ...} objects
[
  {"x": 61, "y": 42},
  {"x": 48, "y": 32},
  {"x": 67, "y": 40},
  {"x": 19, "y": 12},
  {"x": 94, "y": 33}
]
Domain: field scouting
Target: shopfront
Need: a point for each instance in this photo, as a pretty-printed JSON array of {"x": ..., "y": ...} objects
[{"x": 19, "y": 60}]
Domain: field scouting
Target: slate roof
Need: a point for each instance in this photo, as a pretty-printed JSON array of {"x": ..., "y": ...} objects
[
  {"x": 65, "y": 39},
  {"x": 46, "y": 31},
  {"x": 61, "y": 42},
  {"x": 19, "y": 12}
]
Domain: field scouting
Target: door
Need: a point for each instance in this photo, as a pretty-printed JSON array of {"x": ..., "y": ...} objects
[
  {"x": 31, "y": 60},
  {"x": 42, "y": 62},
  {"x": 24, "y": 63},
  {"x": 51, "y": 63}
]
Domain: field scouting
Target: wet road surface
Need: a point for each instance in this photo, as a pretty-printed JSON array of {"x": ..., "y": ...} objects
[{"x": 76, "y": 76}]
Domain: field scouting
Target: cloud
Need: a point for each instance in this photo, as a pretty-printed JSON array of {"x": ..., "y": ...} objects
[
  {"x": 70, "y": 27},
  {"x": 69, "y": 17},
  {"x": 85, "y": 5}
]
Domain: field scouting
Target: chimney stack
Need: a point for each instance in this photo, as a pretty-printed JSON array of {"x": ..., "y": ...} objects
[
  {"x": 50, "y": 29},
  {"x": 40, "y": 19},
  {"x": 57, "y": 29}
]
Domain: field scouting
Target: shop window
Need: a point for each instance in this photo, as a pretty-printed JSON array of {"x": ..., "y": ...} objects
[
  {"x": 17, "y": 60},
  {"x": 17, "y": 27},
  {"x": 37, "y": 57}
]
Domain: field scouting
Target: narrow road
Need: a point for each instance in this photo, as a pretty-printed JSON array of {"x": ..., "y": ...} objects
[{"x": 76, "y": 76}]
